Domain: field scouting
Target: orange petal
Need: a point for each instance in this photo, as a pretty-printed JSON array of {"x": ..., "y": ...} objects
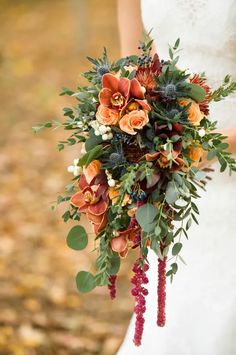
[
  {"x": 99, "y": 227},
  {"x": 98, "y": 208},
  {"x": 144, "y": 104},
  {"x": 124, "y": 86},
  {"x": 77, "y": 199},
  {"x": 83, "y": 182},
  {"x": 136, "y": 89},
  {"x": 94, "y": 218},
  {"x": 105, "y": 97},
  {"x": 92, "y": 170},
  {"x": 109, "y": 81}
]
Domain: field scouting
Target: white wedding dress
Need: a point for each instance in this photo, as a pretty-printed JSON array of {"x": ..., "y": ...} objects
[{"x": 201, "y": 301}]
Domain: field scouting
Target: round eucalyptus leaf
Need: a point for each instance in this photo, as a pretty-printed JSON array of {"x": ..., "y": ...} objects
[
  {"x": 77, "y": 238},
  {"x": 85, "y": 281},
  {"x": 146, "y": 214}
]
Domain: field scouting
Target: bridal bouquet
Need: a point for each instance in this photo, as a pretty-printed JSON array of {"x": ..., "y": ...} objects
[{"x": 142, "y": 129}]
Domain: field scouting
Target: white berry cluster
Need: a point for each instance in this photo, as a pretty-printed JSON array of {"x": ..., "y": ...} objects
[
  {"x": 111, "y": 182},
  {"x": 101, "y": 130},
  {"x": 75, "y": 169}
]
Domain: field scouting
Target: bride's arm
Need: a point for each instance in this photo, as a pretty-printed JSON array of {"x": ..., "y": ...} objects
[{"x": 130, "y": 25}]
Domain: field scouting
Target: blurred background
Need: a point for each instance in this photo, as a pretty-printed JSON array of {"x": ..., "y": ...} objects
[{"x": 43, "y": 46}]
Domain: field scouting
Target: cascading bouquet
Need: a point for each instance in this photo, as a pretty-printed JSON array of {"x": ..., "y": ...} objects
[{"x": 144, "y": 127}]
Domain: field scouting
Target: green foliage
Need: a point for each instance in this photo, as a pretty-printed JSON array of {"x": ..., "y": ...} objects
[
  {"x": 196, "y": 92},
  {"x": 145, "y": 216},
  {"x": 176, "y": 248},
  {"x": 85, "y": 281},
  {"x": 227, "y": 88},
  {"x": 91, "y": 155},
  {"x": 77, "y": 238}
]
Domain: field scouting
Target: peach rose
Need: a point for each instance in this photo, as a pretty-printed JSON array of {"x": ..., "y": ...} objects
[
  {"x": 195, "y": 153},
  {"x": 194, "y": 113},
  {"x": 135, "y": 119},
  {"x": 92, "y": 170},
  {"x": 107, "y": 116}
]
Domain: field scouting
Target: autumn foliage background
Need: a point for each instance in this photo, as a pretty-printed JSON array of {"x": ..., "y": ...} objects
[{"x": 43, "y": 46}]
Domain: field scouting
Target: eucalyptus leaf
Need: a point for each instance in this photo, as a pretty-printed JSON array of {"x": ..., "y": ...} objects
[
  {"x": 145, "y": 216},
  {"x": 85, "y": 281},
  {"x": 176, "y": 248},
  {"x": 171, "y": 193},
  {"x": 77, "y": 238}
]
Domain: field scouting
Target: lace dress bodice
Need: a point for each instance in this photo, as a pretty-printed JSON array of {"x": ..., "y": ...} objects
[{"x": 207, "y": 31}]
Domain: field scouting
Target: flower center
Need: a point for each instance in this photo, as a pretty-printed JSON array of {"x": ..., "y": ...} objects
[
  {"x": 90, "y": 198},
  {"x": 163, "y": 161},
  {"x": 133, "y": 106},
  {"x": 117, "y": 99}
]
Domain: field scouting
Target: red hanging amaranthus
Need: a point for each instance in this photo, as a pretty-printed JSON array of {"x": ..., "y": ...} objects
[
  {"x": 139, "y": 292},
  {"x": 161, "y": 292},
  {"x": 112, "y": 286}
]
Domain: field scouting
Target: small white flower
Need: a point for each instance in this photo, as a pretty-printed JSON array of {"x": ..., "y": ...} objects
[
  {"x": 112, "y": 183},
  {"x": 105, "y": 137},
  {"x": 75, "y": 162},
  {"x": 97, "y": 133},
  {"x": 202, "y": 132},
  {"x": 115, "y": 233},
  {"x": 91, "y": 113},
  {"x": 70, "y": 169},
  {"x": 77, "y": 170}
]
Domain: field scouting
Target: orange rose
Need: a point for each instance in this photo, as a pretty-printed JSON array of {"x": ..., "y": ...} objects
[
  {"x": 107, "y": 116},
  {"x": 195, "y": 153},
  {"x": 92, "y": 170},
  {"x": 194, "y": 113},
  {"x": 135, "y": 119}
]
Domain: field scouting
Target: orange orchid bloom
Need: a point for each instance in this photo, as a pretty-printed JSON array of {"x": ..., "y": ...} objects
[{"x": 92, "y": 200}]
